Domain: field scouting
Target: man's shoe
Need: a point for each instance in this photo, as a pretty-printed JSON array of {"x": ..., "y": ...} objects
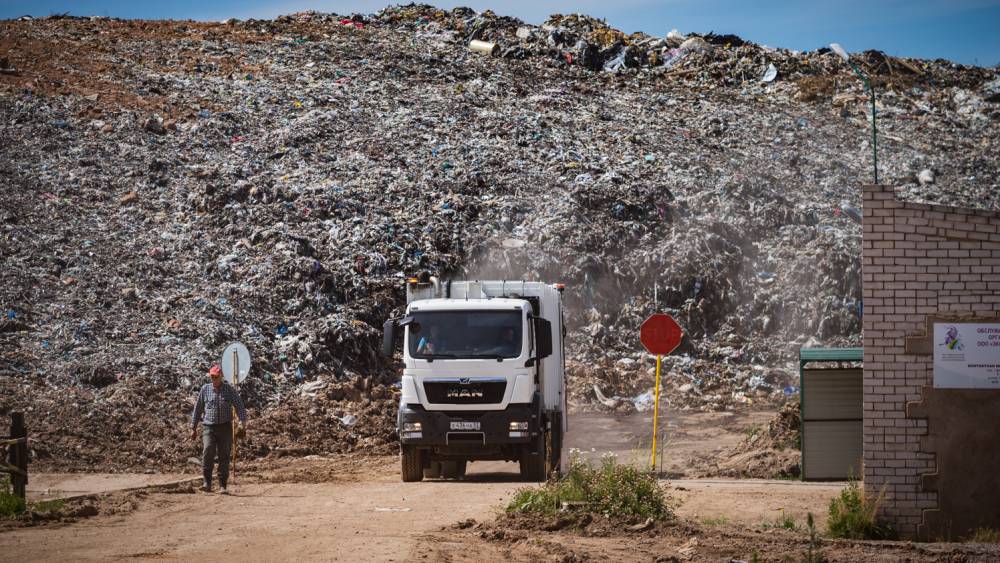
[
  {"x": 223, "y": 491},
  {"x": 205, "y": 488}
]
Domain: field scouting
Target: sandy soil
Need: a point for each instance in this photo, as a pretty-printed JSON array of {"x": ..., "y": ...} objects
[
  {"x": 752, "y": 502},
  {"x": 366, "y": 516},
  {"x": 331, "y": 510}
]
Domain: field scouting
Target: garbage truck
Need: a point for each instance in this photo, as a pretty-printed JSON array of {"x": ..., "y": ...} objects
[{"x": 483, "y": 376}]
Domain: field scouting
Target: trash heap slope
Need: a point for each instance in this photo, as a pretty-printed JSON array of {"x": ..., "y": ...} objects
[{"x": 169, "y": 187}]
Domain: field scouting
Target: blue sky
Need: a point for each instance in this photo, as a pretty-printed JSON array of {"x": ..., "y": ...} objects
[{"x": 965, "y": 31}]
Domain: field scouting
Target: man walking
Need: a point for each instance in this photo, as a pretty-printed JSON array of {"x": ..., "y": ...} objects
[{"x": 215, "y": 409}]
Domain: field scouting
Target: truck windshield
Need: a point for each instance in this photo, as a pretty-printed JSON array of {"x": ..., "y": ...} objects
[{"x": 465, "y": 334}]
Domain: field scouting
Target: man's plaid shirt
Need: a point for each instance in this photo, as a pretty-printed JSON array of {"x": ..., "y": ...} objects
[{"x": 217, "y": 405}]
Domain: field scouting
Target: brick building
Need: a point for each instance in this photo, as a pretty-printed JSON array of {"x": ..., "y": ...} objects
[{"x": 933, "y": 451}]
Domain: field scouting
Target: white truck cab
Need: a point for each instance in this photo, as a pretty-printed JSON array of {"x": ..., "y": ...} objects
[{"x": 483, "y": 376}]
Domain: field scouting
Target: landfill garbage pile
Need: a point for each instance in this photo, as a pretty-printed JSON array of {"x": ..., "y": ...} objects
[{"x": 170, "y": 187}]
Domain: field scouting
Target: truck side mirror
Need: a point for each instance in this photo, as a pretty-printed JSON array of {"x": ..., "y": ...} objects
[
  {"x": 543, "y": 338},
  {"x": 388, "y": 338}
]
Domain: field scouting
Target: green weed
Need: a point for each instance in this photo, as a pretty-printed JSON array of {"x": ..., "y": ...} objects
[
  {"x": 610, "y": 488},
  {"x": 813, "y": 554},
  {"x": 782, "y": 522},
  {"x": 720, "y": 521},
  {"x": 853, "y": 515},
  {"x": 54, "y": 505},
  {"x": 10, "y": 504}
]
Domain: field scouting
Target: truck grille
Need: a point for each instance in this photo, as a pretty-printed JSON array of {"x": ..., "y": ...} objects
[{"x": 465, "y": 391}]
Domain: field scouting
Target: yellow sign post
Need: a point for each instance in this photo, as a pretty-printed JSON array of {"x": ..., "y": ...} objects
[
  {"x": 660, "y": 334},
  {"x": 656, "y": 413}
]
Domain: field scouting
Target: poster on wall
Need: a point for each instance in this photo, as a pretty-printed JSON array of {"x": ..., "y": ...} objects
[{"x": 967, "y": 355}]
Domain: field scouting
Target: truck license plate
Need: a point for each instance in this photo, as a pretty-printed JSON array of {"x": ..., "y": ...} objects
[{"x": 465, "y": 425}]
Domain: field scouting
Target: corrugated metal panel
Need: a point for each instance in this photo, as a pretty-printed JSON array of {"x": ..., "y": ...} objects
[
  {"x": 831, "y": 450},
  {"x": 831, "y": 354},
  {"x": 832, "y": 394}
]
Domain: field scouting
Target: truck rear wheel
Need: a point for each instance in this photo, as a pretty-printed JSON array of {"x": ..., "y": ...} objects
[
  {"x": 532, "y": 463},
  {"x": 412, "y": 464}
]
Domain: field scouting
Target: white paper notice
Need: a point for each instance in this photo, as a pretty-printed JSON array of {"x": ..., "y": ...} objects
[{"x": 967, "y": 355}]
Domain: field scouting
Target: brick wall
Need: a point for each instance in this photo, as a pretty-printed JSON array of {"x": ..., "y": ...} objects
[{"x": 920, "y": 263}]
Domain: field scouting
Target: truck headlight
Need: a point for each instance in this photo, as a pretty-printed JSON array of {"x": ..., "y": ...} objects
[
  {"x": 518, "y": 425},
  {"x": 412, "y": 427}
]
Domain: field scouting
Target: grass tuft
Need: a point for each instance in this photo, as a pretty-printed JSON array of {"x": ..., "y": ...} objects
[
  {"x": 813, "y": 553},
  {"x": 984, "y": 535},
  {"x": 720, "y": 521},
  {"x": 853, "y": 515},
  {"x": 782, "y": 522},
  {"x": 54, "y": 505},
  {"x": 10, "y": 504},
  {"x": 611, "y": 489}
]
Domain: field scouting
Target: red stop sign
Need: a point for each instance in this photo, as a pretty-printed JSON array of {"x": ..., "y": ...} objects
[{"x": 660, "y": 334}]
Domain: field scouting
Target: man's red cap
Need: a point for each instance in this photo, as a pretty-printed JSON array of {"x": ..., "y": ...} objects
[{"x": 215, "y": 370}]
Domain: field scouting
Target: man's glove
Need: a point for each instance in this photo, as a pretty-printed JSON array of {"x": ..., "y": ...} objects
[{"x": 241, "y": 431}]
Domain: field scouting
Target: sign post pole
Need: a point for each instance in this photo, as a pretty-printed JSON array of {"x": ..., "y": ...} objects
[
  {"x": 236, "y": 385},
  {"x": 656, "y": 414},
  {"x": 236, "y": 366}
]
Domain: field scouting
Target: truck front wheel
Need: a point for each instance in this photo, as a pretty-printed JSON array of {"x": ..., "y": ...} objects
[
  {"x": 412, "y": 464},
  {"x": 533, "y": 459}
]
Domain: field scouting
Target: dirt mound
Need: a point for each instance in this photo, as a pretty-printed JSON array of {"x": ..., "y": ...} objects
[
  {"x": 336, "y": 418},
  {"x": 79, "y": 429},
  {"x": 682, "y": 541},
  {"x": 782, "y": 432},
  {"x": 771, "y": 452},
  {"x": 582, "y": 522}
]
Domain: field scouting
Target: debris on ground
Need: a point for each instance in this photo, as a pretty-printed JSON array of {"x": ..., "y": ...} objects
[
  {"x": 771, "y": 452},
  {"x": 172, "y": 186}
]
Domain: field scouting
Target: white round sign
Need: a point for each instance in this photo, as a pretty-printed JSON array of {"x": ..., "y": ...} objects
[{"x": 236, "y": 355}]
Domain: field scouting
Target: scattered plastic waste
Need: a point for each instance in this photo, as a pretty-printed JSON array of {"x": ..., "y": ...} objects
[
  {"x": 645, "y": 401},
  {"x": 770, "y": 74}
]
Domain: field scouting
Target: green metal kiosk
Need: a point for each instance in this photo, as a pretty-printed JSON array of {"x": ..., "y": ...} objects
[{"x": 832, "y": 391}]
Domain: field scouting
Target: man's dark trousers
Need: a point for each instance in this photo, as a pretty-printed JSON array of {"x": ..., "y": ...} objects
[{"x": 216, "y": 439}]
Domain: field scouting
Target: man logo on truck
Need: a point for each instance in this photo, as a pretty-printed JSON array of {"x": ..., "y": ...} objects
[{"x": 465, "y": 393}]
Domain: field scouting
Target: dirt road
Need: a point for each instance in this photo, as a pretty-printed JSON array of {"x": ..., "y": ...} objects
[
  {"x": 349, "y": 508},
  {"x": 353, "y": 518},
  {"x": 357, "y": 512},
  {"x": 357, "y": 509}
]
